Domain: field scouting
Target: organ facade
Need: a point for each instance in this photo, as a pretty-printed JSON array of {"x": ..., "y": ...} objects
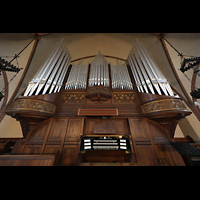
[{"x": 97, "y": 113}]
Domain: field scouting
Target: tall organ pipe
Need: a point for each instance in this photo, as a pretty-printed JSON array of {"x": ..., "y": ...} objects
[
  {"x": 146, "y": 73},
  {"x": 49, "y": 74},
  {"x": 99, "y": 74}
]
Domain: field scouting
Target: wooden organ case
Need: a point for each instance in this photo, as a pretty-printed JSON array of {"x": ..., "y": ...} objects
[{"x": 97, "y": 114}]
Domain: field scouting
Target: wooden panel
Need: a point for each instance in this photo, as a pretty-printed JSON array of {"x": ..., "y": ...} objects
[
  {"x": 122, "y": 127},
  {"x": 39, "y": 133},
  {"x": 157, "y": 133},
  {"x": 128, "y": 110},
  {"x": 74, "y": 130},
  {"x": 51, "y": 149},
  {"x": 145, "y": 155},
  {"x": 138, "y": 129},
  {"x": 105, "y": 156},
  {"x": 27, "y": 160},
  {"x": 108, "y": 164},
  {"x": 88, "y": 126},
  {"x": 168, "y": 156},
  {"x": 32, "y": 149},
  {"x": 104, "y": 127},
  {"x": 58, "y": 130},
  {"x": 70, "y": 155},
  {"x": 98, "y": 112}
]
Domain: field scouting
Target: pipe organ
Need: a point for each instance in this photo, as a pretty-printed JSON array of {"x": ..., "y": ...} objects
[
  {"x": 51, "y": 74},
  {"x": 120, "y": 77},
  {"x": 99, "y": 74},
  {"x": 127, "y": 110},
  {"x": 148, "y": 77},
  {"x": 77, "y": 77}
]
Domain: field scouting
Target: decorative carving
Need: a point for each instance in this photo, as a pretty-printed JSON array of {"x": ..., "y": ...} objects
[
  {"x": 33, "y": 105},
  {"x": 98, "y": 93},
  {"x": 163, "y": 105},
  {"x": 123, "y": 97},
  {"x": 71, "y": 98}
]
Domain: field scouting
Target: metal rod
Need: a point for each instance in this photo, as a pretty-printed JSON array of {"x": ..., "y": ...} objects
[
  {"x": 162, "y": 81},
  {"x": 141, "y": 67},
  {"x": 150, "y": 71},
  {"x": 51, "y": 77},
  {"x": 35, "y": 79},
  {"x": 64, "y": 71},
  {"x": 142, "y": 81},
  {"x": 59, "y": 72},
  {"x": 49, "y": 69}
]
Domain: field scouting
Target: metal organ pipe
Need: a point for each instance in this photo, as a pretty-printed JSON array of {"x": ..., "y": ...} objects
[
  {"x": 138, "y": 73},
  {"x": 77, "y": 77},
  {"x": 135, "y": 75},
  {"x": 162, "y": 81},
  {"x": 63, "y": 65},
  {"x": 51, "y": 74},
  {"x": 51, "y": 77},
  {"x": 120, "y": 77},
  {"x": 146, "y": 73},
  {"x": 148, "y": 69},
  {"x": 61, "y": 78},
  {"x": 99, "y": 74},
  {"x": 142, "y": 69},
  {"x": 35, "y": 81},
  {"x": 46, "y": 74}
]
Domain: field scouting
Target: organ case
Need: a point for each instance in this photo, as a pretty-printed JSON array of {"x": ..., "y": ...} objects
[{"x": 65, "y": 103}]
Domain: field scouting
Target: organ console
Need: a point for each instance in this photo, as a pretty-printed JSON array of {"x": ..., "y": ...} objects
[{"x": 124, "y": 113}]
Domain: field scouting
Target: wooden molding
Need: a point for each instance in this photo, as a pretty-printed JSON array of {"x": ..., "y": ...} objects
[{"x": 97, "y": 112}]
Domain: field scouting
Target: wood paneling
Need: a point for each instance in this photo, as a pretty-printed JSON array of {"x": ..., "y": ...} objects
[
  {"x": 70, "y": 155},
  {"x": 117, "y": 126},
  {"x": 151, "y": 145},
  {"x": 32, "y": 149},
  {"x": 168, "y": 156},
  {"x": 108, "y": 156},
  {"x": 104, "y": 127},
  {"x": 58, "y": 130},
  {"x": 97, "y": 112},
  {"x": 158, "y": 135},
  {"x": 27, "y": 160},
  {"x": 51, "y": 149},
  {"x": 74, "y": 130},
  {"x": 39, "y": 133},
  {"x": 145, "y": 155},
  {"x": 121, "y": 126},
  {"x": 138, "y": 128}
]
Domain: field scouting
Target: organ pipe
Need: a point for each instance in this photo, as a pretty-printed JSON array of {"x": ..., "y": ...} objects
[
  {"x": 99, "y": 74},
  {"x": 120, "y": 77},
  {"x": 147, "y": 75},
  {"x": 51, "y": 74},
  {"x": 77, "y": 77}
]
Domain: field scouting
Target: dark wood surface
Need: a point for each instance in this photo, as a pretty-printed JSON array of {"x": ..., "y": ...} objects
[
  {"x": 149, "y": 141},
  {"x": 28, "y": 160}
]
